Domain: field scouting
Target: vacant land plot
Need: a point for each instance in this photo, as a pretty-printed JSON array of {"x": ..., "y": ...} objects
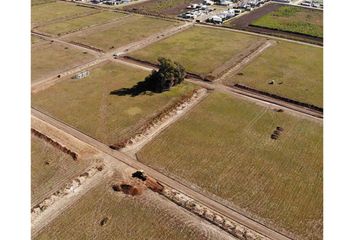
[
  {"x": 202, "y": 50},
  {"x": 76, "y": 24},
  {"x": 292, "y": 23},
  {"x": 89, "y": 105},
  {"x": 129, "y": 30},
  {"x": 46, "y": 13},
  {"x": 293, "y": 19},
  {"x": 37, "y": 2},
  {"x": 36, "y": 39},
  {"x": 162, "y": 7},
  {"x": 51, "y": 58},
  {"x": 289, "y": 70},
  {"x": 51, "y": 169},
  {"x": 105, "y": 214},
  {"x": 225, "y": 146}
]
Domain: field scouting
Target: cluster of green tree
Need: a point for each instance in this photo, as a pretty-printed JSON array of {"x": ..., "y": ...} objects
[{"x": 169, "y": 74}]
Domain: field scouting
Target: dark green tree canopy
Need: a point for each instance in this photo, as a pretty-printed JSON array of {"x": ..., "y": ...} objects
[{"x": 169, "y": 74}]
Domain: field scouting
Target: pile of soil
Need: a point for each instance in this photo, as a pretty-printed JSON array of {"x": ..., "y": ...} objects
[{"x": 133, "y": 188}]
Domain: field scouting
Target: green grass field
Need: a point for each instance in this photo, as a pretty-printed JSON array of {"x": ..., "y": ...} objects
[
  {"x": 55, "y": 11},
  {"x": 88, "y": 105},
  {"x": 293, "y": 19},
  {"x": 135, "y": 218},
  {"x": 50, "y": 59},
  {"x": 297, "y": 72},
  {"x": 76, "y": 24},
  {"x": 129, "y": 30},
  {"x": 224, "y": 146},
  {"x": 51, "y": 169},
  {"x": 201, "y": 50}
]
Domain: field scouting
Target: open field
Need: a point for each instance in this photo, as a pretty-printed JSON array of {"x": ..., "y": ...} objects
[
  {"x": 296, "y": 71},
  {"x": 224, "y": 146},
  {"x": 201, "y": 50},
  {"x": 89, "y": 106},
  {"x": 51, "y": 169},
  {"x": 55, "y": 11},
  {"x": 129, "y": 30},
  {"x": 37, "y": 2},
  {"x": 147, "y": 216},
  {"x": 162, "y": 7},
  {"x": 52, "y": 58},
  {"x": 303, "y": 25},
  {"x": 76, "y": 24},
  {"x": 293, "y": 19},
  {"x": 36, "y": 39}
]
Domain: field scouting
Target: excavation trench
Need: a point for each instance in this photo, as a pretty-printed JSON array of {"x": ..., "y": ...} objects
[{"x": 55, "y": 144}]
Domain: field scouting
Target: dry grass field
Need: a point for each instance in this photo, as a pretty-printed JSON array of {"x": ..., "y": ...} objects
[
  {"x": 201, "y": 50},
  {"x": 89, "y": 106},
  {"x": 76, "y": 24},
  {"x": 35, "y": 40},
  {"x": 49, "y": 59},
  {"x": 55, "y": 11},
  {"x": 162, "y": 7},
  {"x": 296, "y": 70},
  {"x": 147, "y": 216},
  {"x": 131, "y": 29},
  {"x": 37, "y": 2},
  {"x": 224, "y": 146},
  {"x": 51, "y": 169},
  {"x": 293, "y": 19}
]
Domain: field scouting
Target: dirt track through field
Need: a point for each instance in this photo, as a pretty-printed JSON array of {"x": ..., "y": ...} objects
[
  {"x": 261, "y": 99},
  {"x": 138, "y": 142},
  {"x": 45, "y": 83},
  {"x": 246, "y": 60}
]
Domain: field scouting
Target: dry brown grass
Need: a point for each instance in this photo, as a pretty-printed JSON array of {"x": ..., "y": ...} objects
[
  {"x": 105, "y": 214},
  {"x": 51, "y": 169},
  {"x": 224, "y": 146}
]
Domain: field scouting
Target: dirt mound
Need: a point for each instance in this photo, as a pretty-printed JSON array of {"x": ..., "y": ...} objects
[
  {"x": 54, "y": 144},
  {"x": 133, "y": 188},
  {"x": 104, "y": 221},
  {"x": 159, "y": 118}
]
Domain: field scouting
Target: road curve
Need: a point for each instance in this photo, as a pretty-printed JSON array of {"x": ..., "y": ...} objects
[{"x": 215, "y": 205}]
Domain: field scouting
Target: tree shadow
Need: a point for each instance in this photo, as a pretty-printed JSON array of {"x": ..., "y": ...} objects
[{"x": 141, "y": 88}]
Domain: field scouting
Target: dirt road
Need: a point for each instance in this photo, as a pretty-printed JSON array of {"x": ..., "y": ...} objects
[
  {"x": 259, "y": 34},
  {"x": 101, "y": 57},
  {"x": 248, "y": 95},
  {"x": 119, "y": 156},
  {"x": 247, "y": 59}
]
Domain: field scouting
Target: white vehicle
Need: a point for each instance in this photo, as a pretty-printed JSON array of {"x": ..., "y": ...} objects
[{"x": 208, "y": 2}]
